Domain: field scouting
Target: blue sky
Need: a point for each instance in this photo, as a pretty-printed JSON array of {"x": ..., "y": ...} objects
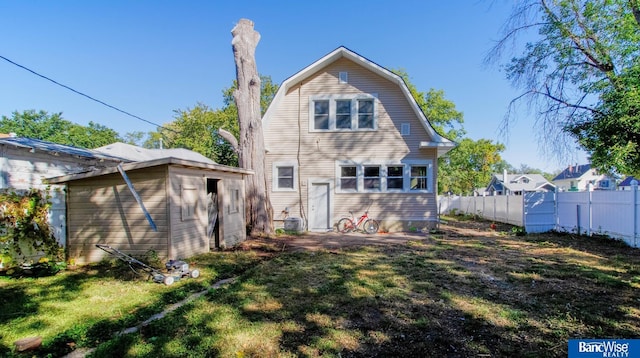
[{"x": 150, "y": 58}]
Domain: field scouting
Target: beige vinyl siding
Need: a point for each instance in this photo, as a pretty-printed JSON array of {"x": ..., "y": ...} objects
[
  {"x": 103, "y": 210},
  {"x": 233, "y": 228},
  {"x": 318, "y": 151},
  {"x": 188, "y": 236}
]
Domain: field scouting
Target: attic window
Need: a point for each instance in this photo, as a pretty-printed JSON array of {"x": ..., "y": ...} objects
[
  {"x": 405, "y": 129},
  {"x": 343, "y": 77}
]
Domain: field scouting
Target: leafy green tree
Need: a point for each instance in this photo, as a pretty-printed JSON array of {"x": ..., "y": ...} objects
[
  {"x": 575, "y": 74},
  {"x": 442, "y": 113},
  {"x": 53, "y": 128},
  {"x": 612, "y": 134},
  {"x": 471, "y": 163},
  {"x": 469, "y": 166},
  {"x": 198, "y": 128}
]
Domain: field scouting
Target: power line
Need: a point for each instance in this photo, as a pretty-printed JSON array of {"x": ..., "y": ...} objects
[{"x": 84, "y": 95}]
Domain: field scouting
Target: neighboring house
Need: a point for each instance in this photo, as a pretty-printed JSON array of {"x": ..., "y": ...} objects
[
  {"x": 626, "y": 183},
  {"x": 345, "y": 134},
  {"x": 578, "y": 177},
  {"x": 26, "y": 162},
  {"x": 517, "y": 184},
  {"x": 193, "y": 207}
]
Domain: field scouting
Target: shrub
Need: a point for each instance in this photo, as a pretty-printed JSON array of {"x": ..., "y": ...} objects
[{"x": 24, "y": 227}]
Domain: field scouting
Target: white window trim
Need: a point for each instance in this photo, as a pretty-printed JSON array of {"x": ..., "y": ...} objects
[
  {"x": 406, "y": 164},
  {"x": 332, "y": 111},
  {"x": 274, "y": 175}
]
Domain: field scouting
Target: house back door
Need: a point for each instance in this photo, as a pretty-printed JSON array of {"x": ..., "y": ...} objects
[{"x": 319, "y": 218}]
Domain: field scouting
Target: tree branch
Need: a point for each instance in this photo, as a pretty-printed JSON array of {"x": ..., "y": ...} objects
[{"x": 229, "y": 137}]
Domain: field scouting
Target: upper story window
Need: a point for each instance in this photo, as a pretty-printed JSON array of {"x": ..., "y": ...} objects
[
  {"x": 321, "y": 115},
  {"x": 343, "y": 112},
  {"x": 365, "y": 113}
]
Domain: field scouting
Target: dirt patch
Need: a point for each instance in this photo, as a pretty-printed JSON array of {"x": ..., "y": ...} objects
[{"x": 313, "y": 241}]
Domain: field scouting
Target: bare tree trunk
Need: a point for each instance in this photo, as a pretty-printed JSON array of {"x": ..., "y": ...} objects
[{"x": 251, "y": 144}]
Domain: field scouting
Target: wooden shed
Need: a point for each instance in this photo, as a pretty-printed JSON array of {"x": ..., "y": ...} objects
[{"x": 175, "y": 207}]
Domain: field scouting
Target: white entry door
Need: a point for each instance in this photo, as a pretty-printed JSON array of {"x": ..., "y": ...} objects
[{"x": 319, "y": 207}]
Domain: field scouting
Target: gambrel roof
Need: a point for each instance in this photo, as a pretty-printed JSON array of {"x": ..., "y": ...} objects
[{"x": 442, "y": 144}]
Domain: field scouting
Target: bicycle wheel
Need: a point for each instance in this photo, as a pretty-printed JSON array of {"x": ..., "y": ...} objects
[
  {"x": 371, "y": 226},
  {"x": 345, "y": 225}
]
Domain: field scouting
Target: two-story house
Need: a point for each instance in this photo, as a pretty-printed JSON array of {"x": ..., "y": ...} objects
[
  {"x": 517, "y": 184},
  {"x": 345, "y": 134},
  {"x": 578, "y": 177}
]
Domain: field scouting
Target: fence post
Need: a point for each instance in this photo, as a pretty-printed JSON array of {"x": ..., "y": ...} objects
[
  {"x": 590, "y": 220},
  {"x": 494, "y": 205},
  {"x": 524, "y": 211},
  {"x": 556, "y": 213},
  {"x": 578, "y": 218},
  {"x": 634, "y": 187}
]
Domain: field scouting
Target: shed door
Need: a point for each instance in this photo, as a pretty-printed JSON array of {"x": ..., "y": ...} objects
[{"x": 319, "y": 207}]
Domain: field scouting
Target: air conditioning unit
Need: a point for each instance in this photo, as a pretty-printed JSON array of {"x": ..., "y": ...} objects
[{"x": 293, "y": 224}]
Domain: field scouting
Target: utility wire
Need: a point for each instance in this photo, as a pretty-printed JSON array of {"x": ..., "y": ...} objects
[{"x": 84, "y": 95}]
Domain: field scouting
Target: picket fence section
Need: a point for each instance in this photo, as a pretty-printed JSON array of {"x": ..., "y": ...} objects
[{"x": 615, "y": 214}]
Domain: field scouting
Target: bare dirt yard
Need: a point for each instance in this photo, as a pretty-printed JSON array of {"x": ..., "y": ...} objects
[{"x": 312, "y": 241}]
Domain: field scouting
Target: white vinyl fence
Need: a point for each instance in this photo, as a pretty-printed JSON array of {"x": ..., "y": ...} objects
[{"x": 604, "y": 212}]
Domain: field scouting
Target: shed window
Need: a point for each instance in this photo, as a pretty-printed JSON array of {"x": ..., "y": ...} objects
[
  {"x": 189, "y": 199},
  {"x": 234, "y": 205}
]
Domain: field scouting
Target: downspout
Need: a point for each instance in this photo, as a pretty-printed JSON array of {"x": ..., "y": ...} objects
[{"x": 303, "y": 215}]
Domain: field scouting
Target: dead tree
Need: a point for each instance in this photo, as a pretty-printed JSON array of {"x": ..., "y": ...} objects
[{"x": 251, "y": 149}]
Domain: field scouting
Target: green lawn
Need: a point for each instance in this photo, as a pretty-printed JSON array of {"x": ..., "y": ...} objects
[{"x": 457, "y": 294}]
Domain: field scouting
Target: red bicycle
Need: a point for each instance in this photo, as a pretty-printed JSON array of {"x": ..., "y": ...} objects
[{"x": 370, "y": 226}]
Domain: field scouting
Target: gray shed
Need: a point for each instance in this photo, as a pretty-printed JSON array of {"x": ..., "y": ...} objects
[{"x": 183, "y": 208}]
